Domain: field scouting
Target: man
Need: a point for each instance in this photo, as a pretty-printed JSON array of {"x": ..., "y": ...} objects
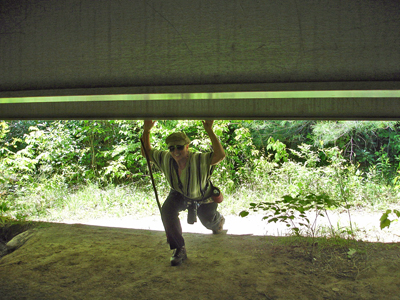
[{"x": 188, "y": 174}]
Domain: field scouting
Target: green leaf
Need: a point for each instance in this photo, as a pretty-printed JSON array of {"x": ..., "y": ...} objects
[
  {"x": 385, "y": 223},
  {"x": 287, "y": 198},
  {"x": 351, "y": 252},
  {"x": 243, "y": 213},
  {"x": 3, "y": 207},
  {"x": 385, "y": 215}
]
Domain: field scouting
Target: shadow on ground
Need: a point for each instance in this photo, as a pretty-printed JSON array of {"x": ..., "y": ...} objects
[{"x": 63, "y": 261}]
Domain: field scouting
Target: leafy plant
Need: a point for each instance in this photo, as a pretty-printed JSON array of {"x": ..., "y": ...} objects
[
  {"x": 383, "y": 164},
  {"x": 289, "y": 132},
  {"x": 3, "y": 208},
  {"x": 361, "y": 141},
  {"x": 279, "y": 149},
  {"x": 291, "y": 209},
  {"x": 385, "y": 221},
  {"x": 300, "y": 212}
]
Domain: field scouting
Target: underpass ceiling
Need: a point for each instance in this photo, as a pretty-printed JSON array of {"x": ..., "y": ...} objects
[{"x": 189, "y": 52}]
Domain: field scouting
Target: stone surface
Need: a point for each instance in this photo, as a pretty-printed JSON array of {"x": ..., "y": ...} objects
[
  {"x": 3, "y": 249},
  {"x": 19, "y": 240}
]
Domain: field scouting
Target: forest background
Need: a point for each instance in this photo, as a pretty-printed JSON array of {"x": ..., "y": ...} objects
[{"x": 75, "y": 169}]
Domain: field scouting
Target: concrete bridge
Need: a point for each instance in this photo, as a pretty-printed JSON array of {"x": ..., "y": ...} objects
[{"x": 179, "y": 59}]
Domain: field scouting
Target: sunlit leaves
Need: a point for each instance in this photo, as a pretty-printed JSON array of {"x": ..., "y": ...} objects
[{"x": 385, "y": 221}]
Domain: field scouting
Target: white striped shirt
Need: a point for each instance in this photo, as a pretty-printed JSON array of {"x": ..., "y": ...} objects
[{"x": 196, "y": 173}]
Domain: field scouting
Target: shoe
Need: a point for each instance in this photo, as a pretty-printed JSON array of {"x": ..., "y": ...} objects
[
  {"x": 179, "y": 256},
  {"x": 220, "y": 226}
]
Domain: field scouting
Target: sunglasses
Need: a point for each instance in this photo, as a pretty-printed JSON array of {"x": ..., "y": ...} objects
[{"x": 179, "y": 147}]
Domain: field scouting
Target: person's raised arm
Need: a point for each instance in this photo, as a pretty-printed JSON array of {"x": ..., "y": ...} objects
[
  {"x": 219, "y": 152},
  {"x": 148, "y": 125}
]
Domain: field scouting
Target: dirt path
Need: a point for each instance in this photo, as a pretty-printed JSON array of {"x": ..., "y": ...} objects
[
  {"x": 365, "y": 224},
  {"x": 74, "y": 261}
]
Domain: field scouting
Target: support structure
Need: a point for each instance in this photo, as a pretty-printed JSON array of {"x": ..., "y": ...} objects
[{"x": 179, "y": 59}]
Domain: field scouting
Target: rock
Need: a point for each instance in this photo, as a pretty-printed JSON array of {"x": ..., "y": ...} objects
[
  {"x": 19, "y": 240},
  {"x": 3, "y": 249}
]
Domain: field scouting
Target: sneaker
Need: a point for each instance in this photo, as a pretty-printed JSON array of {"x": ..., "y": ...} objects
[
  {"x": 220, "y": 226},
  {"x": 179, "y": 256}
]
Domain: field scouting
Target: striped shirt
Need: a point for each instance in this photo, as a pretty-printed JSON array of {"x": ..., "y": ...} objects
[{"x": 194, "y": 177}]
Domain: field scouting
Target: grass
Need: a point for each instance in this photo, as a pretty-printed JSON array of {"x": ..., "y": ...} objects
[
  {"x": 89, "y": 201},
  {"x": 44, "y": 202},
  {"x": 58, "y": 201}
]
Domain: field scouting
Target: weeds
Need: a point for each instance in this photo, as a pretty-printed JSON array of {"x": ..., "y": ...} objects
[
  {"x": 300, "y": 214},
  {"x": 9, "y": 226},
  {"x": 319, "y": 191},
  {"x": 3, "y": 209}
]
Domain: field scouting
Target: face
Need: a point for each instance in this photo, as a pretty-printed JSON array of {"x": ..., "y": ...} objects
[{"x": 178, "y": 155}]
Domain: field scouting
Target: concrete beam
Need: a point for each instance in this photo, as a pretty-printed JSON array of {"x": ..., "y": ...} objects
[{"x": 330, "y": 100}]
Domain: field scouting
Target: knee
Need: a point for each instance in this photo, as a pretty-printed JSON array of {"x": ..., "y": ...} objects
[{"x": 171, "y": 208}]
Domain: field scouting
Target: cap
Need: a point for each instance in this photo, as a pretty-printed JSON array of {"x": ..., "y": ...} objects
[{"x": 177, "y": 138}]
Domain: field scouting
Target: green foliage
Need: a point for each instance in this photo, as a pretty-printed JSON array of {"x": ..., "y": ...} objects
[
  {"x": 5, "y": 218},
  {"x": 279, "y": 149},
  {"x": 385, "y": 221},
  {"x": 3, "y": 209},
  {"x": 293, "y": 211},
  {"x": 3, "y": 131},
  {"x": 109, "y": 151},
  {"x": 17, "y": 130},
  {"x": 351, "y": 162},
  {"x": 3, "y": 150},
  {"x": 106, "y": 151},
  {"x": 300, "y": 214},
  {"x": 240, "y": 154},
  {"x": 306, "y": 155},
  {"x": 361, "y": 141},
  {"x": 6, "y": 172},
  {"x": 289, "y": 132},
  {"x": 383, "y": 164}
]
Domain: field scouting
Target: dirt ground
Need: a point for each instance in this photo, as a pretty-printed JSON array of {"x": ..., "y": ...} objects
[{"x": 76, "y": 261}]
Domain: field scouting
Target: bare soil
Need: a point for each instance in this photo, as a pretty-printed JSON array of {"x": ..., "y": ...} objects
[{"x": 79, "y": 261}]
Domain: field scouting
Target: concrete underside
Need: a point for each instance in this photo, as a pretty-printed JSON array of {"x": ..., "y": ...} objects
[{"x": 70, "y": 48}]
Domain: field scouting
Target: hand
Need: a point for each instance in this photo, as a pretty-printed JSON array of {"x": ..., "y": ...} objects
[
  {"x": 208, "y": 124},
  {"x": 148, "y": 125}
]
